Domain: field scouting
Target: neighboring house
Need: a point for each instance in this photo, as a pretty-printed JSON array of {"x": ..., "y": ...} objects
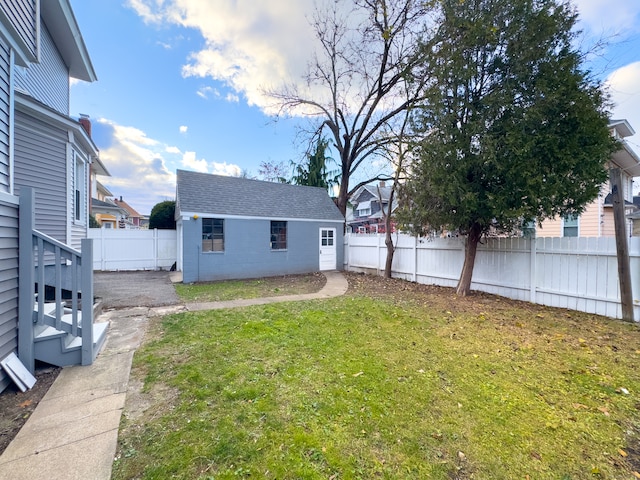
[
  {"x": 597, "y": 219},
  {"x": 368, "y": 203},
  {"x": 45, "y": 163},
  {"x": 231, "y": 227},
  {"x": 101, "y": 192},
  {"x": 133, "y": 219},
  {"x": 103, "y": 208},
  {"x": 107, "y": 213}
]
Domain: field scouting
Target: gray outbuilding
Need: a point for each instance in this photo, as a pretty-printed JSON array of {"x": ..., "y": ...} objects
[{"x": 232, "y": 228}]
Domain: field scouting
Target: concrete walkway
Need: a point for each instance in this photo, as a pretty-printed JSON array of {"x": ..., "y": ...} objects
[{"x": 73, "y": 432}]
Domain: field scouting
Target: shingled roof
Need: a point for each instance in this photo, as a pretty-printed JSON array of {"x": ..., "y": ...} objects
[{"x": 203, "y": 193}]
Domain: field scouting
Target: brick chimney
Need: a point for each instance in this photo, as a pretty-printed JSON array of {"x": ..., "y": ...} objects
[{"x": 86, "y": 123}]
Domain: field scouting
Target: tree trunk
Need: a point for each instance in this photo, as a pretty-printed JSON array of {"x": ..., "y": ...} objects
[
  {"x": 343, "y": 196},
  {"x": 471, "y": 245},
  {"x": 388, "y": 241}
]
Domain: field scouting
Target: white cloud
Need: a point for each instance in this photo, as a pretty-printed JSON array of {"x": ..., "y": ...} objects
[
  {"x": 137, "y": 165},
  {"x": 231, "y": 97},
  {"x": 227, "y": 169},
  {"x": 624, "y": 86},
  {"x": 609, "y": 16},
  {"x": 207, "y": 92},
  {"x": 251, "y": 45},
  {"x": 190, "y": 162},
  {"x": 174, "y": 150},
  {"x": 183, "y": 129}
]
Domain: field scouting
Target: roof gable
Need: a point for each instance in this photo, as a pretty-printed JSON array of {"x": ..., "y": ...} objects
[
  {"x": 128, "y": 208},
  {"x": 203, "y": 193}
]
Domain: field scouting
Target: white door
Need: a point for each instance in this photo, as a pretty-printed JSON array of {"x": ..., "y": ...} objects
[{"x": 327, "y": 249}]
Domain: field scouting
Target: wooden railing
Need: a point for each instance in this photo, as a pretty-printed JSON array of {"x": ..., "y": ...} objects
[{"x": 37, "y": 250}]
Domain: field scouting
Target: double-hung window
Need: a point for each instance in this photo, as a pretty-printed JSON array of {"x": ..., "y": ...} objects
[
  {"x": 212, "y": 235},
  {"x": 79, "y": 189},
  {"x": 570, "y": 226},
  {"x": 278, "y": 235}
]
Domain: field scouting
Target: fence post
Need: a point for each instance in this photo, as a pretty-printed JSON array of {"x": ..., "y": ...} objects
[
  {"x": 415, "y": 258},
  {"x": 103, "y": 251},
  {"x": 26, "y": 281},
  {"x": 532, "y": 269},
  {"x": 155, "y": 248}
]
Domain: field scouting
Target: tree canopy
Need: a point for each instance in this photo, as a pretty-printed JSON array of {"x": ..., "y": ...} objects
[
  {"x": 163, "y": 215},
  {"x": 513, "y": 127}
]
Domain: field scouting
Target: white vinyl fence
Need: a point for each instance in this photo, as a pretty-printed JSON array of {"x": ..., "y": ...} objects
[
  {"x": 120, "y": 249},
  {"x": 574, "y": 273}
]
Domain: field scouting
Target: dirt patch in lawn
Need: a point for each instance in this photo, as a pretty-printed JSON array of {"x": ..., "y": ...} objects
[{"x": 16, "y": 406}]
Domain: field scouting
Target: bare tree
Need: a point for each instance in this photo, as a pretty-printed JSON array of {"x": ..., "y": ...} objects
[
  {"x": 397, "y": 152},
  {"x": 358, "y": 79}
]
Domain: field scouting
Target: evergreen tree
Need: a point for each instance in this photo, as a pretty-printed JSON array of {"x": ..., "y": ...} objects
[
  {"x": 313, "y": 172},
  {"x": 163, "y": 216},
  {"x": 514, "y": 128}
]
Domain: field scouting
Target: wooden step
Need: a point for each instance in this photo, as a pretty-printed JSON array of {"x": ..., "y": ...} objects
[{"x": 63, "y": 349}]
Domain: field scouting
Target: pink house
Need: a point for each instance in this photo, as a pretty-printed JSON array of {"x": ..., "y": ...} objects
[{"x": 597, "y": 219}]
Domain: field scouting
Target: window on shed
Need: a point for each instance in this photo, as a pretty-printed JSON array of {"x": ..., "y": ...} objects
[
  {"x": 212, "y": 235},
  {"x": 570, "y": 226},
  {"x": 278, "y": 235}
]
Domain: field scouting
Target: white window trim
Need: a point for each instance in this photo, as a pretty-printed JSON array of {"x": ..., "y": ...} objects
[
  {"x": 578, "y": 225},
  {"x": 78, "y": 159}
]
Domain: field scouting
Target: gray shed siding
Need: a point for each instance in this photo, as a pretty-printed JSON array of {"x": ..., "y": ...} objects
[
  {"x": 8, "y": 283},
  {"x": 248, "y": 252},
  {"x": 22, "y": 15},
  {"x": 5, "y": 116},
  {"x": 47, "y": 81},
  {"x": 41, "y": 163}
]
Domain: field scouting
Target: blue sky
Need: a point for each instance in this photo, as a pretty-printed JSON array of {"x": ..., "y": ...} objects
[{"x": 181, "y": 83}]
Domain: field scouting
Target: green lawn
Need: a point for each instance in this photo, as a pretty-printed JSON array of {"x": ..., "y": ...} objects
[
  {"x": 252, "y": 288},
  {"x": 390, "y": 381}
]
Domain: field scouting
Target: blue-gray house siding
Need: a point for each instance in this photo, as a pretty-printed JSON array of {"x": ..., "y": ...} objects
[
  {"x": 40, "y": 163},
  {"x": 22, "y": 18},
  {"x": 5, "y": 116},
  {"x": 8, "y": 282},
  {"x": 8, "y": 223},
  {"x": 47, "y": 81},
  {"x": 247, "y": 208}
]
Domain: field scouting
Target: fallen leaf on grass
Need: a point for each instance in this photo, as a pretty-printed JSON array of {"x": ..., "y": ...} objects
[
  {"x": 358, "y": 374},
  {"x": 26, "y": 403},
  {"x": 604, "y": 410},
  {"x": 580, "y": 405},
  {"x": 636, "y": 474},
  {"x": 622, "y": 453}
]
